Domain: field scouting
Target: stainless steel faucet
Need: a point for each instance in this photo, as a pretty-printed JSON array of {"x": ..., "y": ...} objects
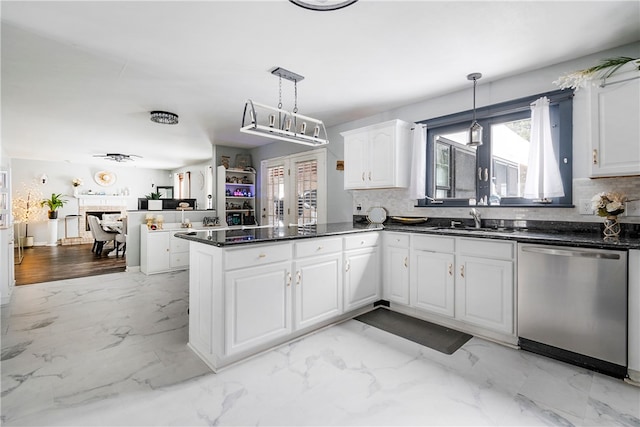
[{"x": 476, "y": 217}]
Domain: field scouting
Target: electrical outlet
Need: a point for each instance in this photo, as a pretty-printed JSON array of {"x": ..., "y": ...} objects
[
  {"x": 585, "y": 207},
  {"x": 632, "y": 208}
]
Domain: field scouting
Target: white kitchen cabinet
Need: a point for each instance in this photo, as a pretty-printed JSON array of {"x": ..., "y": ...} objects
[
  {"x": 615, "y": 108},
  {"x": 396, "y": 267},
  {"x": 362, "y": 281},
  {"x": 317, "y": 281},
  {"x": 161, "y": 251},
  {"x": 484, "y": 293},
  {"x": 377, "y": 156},
  {"x": 470, "y": 280},
  {"x": 432, "y": 278},
  {"x": 258, "y": 306}
]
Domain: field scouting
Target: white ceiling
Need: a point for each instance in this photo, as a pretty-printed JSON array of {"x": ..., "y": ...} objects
[{"x": 80, "y": 77}]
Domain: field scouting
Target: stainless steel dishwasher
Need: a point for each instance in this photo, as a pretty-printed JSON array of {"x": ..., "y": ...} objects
[{"x": 572, "y": 305}]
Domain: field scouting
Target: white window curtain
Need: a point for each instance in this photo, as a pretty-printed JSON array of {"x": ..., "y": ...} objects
[
  {"x": 418, "y": 184},
  {"x": 543, "y": 174}
]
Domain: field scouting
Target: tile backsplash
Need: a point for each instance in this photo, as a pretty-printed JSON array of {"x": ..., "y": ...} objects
[{"x": 397, "y": 203}]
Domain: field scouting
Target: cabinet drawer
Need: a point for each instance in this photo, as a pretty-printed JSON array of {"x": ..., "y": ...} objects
[
  {"x": 396, "y": 239},
  {"x": 312, "y": 247},
  {"x": 486, "y": 248},
  {"x": 256, "y": 255},
  {"x": 179, "y": 245},
  {"x": 179, "y": 260},
  {"x": 361, "y": 240},
  {"x": 433, "y": 243}
]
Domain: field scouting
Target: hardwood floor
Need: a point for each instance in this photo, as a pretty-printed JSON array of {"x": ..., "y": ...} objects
[{"x": 47, "y": 263}]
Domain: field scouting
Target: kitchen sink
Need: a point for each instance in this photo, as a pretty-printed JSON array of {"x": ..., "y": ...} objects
[{"x": 477, "y": 230}]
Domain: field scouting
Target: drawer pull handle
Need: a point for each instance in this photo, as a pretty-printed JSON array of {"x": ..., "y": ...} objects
[
  {"x": 462, "y": 271},
  {"x": 298, "y": 277},
  {"x": 450, "y": 269},
  {"x": 405, "y": 261},
  {"x": 289, "y": 279},
  {"x": 369, "y": 175},
  {"x": 595, "y": 157},
  {"x": 362, "y": 176},
  {"x": 262, "y": 256},
  {"x": 319, "y": 248},
  {"x": 348, "y": 266}
]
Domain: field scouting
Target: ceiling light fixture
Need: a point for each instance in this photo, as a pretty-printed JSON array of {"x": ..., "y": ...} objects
[
  {"x": 164, "y": 117},
  {"x": 475, "y": 130},
  {"x": 276, "y": 123},
  {"x": 323, "y": 5},
  {"x": 117, "y": 157}
]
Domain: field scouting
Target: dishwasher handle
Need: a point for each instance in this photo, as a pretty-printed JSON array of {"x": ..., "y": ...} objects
[{"x": 570, "y": 253}]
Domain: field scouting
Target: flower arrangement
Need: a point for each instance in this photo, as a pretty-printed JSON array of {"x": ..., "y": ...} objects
[
  {"x": 605, "y": 69},
  {"x": 76, "y": 182},
  {"x": 608, "y": 204}
]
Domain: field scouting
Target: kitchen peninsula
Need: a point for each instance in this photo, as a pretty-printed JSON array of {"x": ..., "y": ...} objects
[{"x": 251, "y": 289}]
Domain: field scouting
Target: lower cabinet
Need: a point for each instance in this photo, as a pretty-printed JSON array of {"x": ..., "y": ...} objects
[
  {"x": 161, "y": 251},
  {"x": 362, "y": 278},
  {"x": 317, "y": 289},
  {"x": 244, "y": 299},
  {"x": 469, "y": 280},
  {"x": 258, "y": 306},
  {"x": 396, "y": 267}
]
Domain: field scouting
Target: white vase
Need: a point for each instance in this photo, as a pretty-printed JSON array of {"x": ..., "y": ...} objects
[{"x": 75, "y": 191}]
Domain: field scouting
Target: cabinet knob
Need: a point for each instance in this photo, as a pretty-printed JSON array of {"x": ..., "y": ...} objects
[{"x": 319, "y": 248}]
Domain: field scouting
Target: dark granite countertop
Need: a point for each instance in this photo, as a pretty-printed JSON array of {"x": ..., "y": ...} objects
[
  {"x": 556, "y": 233},
  {"x": 273, "y": 234}
]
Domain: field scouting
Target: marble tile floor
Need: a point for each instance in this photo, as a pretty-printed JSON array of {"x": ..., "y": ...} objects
[{"x": 111, "y": 350}]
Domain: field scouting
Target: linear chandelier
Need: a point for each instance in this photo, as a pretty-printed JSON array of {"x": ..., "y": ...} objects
[{"x": 277, "y": 123}]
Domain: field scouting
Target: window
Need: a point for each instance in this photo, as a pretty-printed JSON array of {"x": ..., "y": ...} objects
[{"x": 496, "y": 171}]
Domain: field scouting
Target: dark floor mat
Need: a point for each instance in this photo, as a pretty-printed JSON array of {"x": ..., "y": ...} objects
[{"x": 434, "y": 336}]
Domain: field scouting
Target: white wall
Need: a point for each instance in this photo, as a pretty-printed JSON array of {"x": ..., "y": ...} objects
[
  {"x": 342, "y": 204},
  {"x": 60, "y": 174}
]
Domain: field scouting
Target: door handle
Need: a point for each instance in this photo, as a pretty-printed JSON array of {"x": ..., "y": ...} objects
[
  {"x": 595, "y": 157},
  {"x": 289, "y": 279},
  {"x": 347, "y": 266},
  {"x": 486, "y": 174},
  {"x": 405, "y": 261},
  {"x": 362, "y": 176},
  {"x": 369, "y": 175},
  {"x": 479, "y": 174},
  {"x": 462, "y": 271},
  {"x": 450, "y": 269},
  {"x": 298, "y": 277}
]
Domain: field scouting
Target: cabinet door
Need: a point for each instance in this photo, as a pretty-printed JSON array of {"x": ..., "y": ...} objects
[
  {"x": 362, "y": 278},
  {"x": 258, "y": 303},
  {"x": 484, "y": 293},
  {"x": 318, "y": 289},
  {"x": 355, "y": 161},
  {"x": 615, "y": 133},
  {"x": 381, "y": 169},
  {"x": 201, "y": 302},
  {"x": 396, "y": 274},
  {"x": 432, "y": 281},
  {"x": 158, "y": 252}
]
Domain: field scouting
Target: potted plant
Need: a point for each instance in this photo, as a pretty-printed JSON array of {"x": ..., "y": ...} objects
[
  {"x": 154, "y": 203},
  {"x": 54, "y": 202}
]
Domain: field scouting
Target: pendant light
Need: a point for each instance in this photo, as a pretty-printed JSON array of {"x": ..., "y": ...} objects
[
  {"x": 277, "y": 123},
  {"x": 475, "y": 130}
]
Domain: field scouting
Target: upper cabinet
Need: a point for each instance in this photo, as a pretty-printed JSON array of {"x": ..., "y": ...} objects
[
  {"x": 377, "y": 156},
  {"x": 615, "y": 133}
]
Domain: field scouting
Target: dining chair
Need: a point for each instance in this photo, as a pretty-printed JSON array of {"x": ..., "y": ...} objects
[
  {"x": 100, "y": 236},
  {"x": 122, "y": 237}
]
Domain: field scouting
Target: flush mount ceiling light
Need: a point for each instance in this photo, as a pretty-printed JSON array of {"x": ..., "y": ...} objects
[
  {"x": 117, "y": 157},
  {"x": 276, "y": 123},
  {"x": 323, "y": 5},
  {"x": 164, "y": 117},
  {"x": 475, "y": 130}
]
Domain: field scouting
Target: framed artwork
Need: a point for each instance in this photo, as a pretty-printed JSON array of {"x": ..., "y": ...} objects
[{"x": 165, "y": 192}]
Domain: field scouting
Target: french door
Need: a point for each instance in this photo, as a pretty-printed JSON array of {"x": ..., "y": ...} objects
[{"x": 294, "y": 190}]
